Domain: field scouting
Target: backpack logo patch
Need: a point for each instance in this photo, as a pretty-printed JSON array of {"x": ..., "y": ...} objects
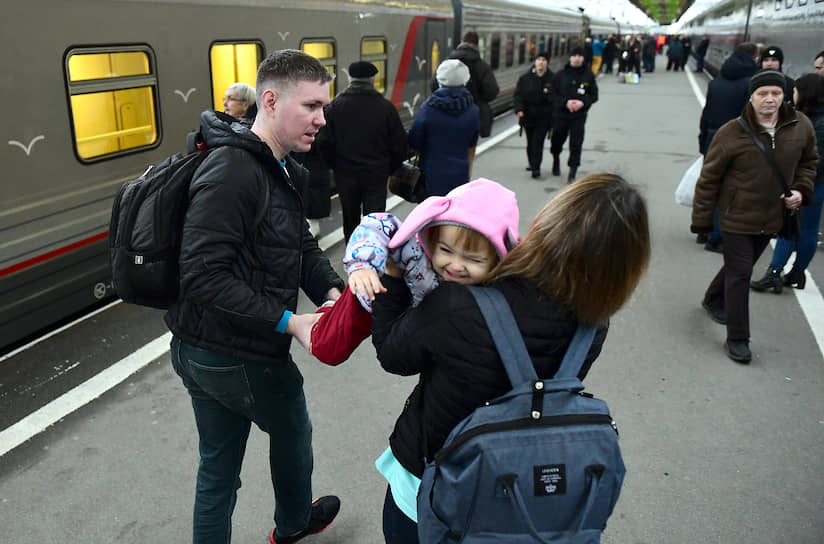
[{"x": 550, "y": 480}]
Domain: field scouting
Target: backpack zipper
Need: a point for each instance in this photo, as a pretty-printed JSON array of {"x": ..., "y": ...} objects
[{"x": 525, "y": 423}]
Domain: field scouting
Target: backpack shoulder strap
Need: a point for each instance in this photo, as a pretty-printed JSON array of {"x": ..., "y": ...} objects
[
  {"x": 505, "y": 334},
  {"x": 577, "y": 351},
  {"x": 510, "y": 343}
]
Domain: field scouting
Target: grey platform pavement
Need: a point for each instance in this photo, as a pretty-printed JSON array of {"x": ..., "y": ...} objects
[{"x": 715, "y": 451}]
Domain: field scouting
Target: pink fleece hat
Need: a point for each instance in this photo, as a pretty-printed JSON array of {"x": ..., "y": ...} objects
[{"x": 482, "y": 205}]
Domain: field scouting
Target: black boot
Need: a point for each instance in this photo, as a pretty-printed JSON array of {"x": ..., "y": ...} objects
[
  {"x": 771, "y": 280},
  {"x": 738, "y": 351},
  {"x": 572, "y": 171},
  {"x": 795, "y": 278},
  {"x": 556, "y": 165}
]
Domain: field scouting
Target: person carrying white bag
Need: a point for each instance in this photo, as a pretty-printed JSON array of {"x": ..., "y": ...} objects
[{"x": 686, "y": 189}]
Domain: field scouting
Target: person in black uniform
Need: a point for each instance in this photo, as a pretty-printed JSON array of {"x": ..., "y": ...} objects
[
  {"x": 533, "y": 105},
  {"x": 574, "y": 91}
]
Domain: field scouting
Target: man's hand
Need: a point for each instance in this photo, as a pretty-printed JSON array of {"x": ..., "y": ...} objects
[
  {"x": 333, "y": 294},
  {"x": 574, "y": 105},
  {"x": 520, "y": 114},
  {"x": 300, "y": 326},
  {"x": 794, "y": 200},
  {"x": 366, "y": 283}
]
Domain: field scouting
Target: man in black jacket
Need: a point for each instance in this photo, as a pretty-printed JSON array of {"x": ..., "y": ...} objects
[
  {"x": 482, "y": 83},
  {"x": 574, "y": 91},
  {"x": 533, "y": 105},
  {"x": 363, "y": 142},
  {"x": 239, "y": 282},
  {"x": 727, "y": 95},
  {"x": 773, "y": 58}
]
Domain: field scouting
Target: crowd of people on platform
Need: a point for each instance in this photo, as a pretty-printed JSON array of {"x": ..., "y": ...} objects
[{"x": 237, "y": 314}]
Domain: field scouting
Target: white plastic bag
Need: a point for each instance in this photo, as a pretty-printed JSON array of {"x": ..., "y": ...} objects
[{"x": 686, "y": 189}]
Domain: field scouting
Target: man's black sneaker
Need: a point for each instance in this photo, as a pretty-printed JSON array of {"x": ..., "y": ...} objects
[
  {"x": 717, "y": 247},
  {"x": 324, "y": 511},
  {"x": 701, "y": 239},
  {"x": 536, "y": 173},
  {"x": 738, "y": 351},
  {"x": 716, "y": 314}
]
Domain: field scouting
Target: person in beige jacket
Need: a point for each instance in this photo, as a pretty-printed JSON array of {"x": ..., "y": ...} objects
[{"x": 738, "y": 179}]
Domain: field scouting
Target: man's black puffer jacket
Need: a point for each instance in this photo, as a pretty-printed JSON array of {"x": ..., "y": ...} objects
[
  {"x": 445, "y": 339},
  {"x": 236, "y": 279}
]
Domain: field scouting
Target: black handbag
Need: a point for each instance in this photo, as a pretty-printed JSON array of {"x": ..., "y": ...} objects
[
  {"x": 791, "y": 227},
  {"x": 407, "y": 181}
]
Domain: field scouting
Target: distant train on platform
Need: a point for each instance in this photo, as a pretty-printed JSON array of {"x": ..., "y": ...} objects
[
  {"x": 96, "y": 90},
  {"x": 797, "y": 26}
]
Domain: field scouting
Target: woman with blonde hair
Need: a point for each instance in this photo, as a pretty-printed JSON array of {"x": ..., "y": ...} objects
[{"x": 581, "y": 260}]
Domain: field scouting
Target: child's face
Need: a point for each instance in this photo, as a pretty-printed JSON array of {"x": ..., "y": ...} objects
[{"x": 452, "y": 261}]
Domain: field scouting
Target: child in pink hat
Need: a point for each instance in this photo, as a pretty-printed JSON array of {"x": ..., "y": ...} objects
[{"x": 459, "y": 237}]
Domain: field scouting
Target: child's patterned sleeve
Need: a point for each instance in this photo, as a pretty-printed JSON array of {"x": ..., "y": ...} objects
[{"x": 368, "y": 245}]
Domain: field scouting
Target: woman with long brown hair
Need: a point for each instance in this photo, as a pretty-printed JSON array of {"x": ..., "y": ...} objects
[{"x": 580, "y": 262}]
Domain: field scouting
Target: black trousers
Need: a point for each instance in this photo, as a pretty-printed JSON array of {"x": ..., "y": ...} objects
[
  {"x": 535, "y": 136},
  {"x": 574, "y": 127},
  {"x": 359, "y": 196},
  {"x": 730, "y": 288}
]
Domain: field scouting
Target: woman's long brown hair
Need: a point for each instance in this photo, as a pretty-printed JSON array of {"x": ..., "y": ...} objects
[{"x": 588, "y": 247}]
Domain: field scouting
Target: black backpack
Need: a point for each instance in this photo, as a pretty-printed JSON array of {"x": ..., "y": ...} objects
[{"x": 146, "y": 229}]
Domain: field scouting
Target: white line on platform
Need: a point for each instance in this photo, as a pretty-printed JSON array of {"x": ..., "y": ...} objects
[
  {"x": 809, "y": 299},
  {"x": 40, "y": 420},
  {"x": 92, "y": 388}
]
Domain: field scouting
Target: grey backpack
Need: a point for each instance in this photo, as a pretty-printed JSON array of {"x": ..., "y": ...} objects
[{"x": 538, "y": 464}]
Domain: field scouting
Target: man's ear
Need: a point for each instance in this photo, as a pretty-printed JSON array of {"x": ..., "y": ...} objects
[{"x": 268, "y": 100}]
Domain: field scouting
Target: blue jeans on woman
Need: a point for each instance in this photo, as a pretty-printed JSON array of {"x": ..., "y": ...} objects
[
  {"x": 227, "y": 396},
  {"x": 808, "y": 241}
]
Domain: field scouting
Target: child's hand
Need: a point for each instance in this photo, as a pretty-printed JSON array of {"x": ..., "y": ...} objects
[{"x": 366, "y": 283}]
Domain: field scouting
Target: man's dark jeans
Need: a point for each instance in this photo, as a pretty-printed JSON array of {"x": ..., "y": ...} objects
[
  {"x": 227, "y": 396},
  {"x": 730, "y": 289}
]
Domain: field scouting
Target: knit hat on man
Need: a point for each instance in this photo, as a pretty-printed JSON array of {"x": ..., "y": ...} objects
[
  {"x": 766, "y": 77},
  {"x": 775, "y": 52},
  {"x": 576, "y": 51},
  {"x": 452, "y": 73}
]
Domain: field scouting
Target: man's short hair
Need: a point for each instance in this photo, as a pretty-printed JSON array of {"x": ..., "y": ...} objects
[
  {"x": 288, "y": 67},
  {"x": 471, "y": 37},
  {"x": 820, "y": 54},
  {"x": 748, "y": 48}
]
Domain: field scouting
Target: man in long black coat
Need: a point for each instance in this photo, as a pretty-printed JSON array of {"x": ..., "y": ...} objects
[{"x": 363, "y": 142}]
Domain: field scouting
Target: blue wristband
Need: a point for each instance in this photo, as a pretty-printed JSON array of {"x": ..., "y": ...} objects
[{"x": 281, "y": 326}]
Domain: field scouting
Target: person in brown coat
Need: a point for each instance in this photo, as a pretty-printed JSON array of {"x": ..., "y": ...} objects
[{"x": 738, "y": 179}]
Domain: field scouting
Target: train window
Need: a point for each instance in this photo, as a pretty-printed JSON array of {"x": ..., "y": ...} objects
[
  {"x": 374, "y": 50},
  {"x": 235, "y": 62},
  {"x": 510, "y": 50},
  {"x": 557, "y": 46},
  {"x": 495, "y": 54},
  {"x": 113, "y": 100},
  {"x": 522, "y": 50},
  {"x": 802, "y": 2},
  {"x": 324, "y": 51},
  {"x": 434, "y": 57},
  {"x": 778, "y": 4},
  {"x": 789, "y": 3},
  {"x": 482, "y": 47}
]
